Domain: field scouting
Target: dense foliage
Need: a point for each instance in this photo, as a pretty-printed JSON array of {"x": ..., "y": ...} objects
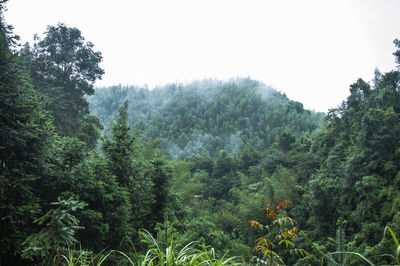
[
  {"x": 48, "y": 155},
  {"x": 209, "y": 115},
  {"x": 360, "y": 149},
  {"x": 180, "y": 169}
]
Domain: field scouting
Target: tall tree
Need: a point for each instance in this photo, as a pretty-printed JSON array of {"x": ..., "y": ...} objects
[
  {"x": 25, "y": 131},
  {"x": 121, "y": 148},
  {"x": 125, "y": 161},
  {"x": 360, "y": 151},
  {"x": 64, "y": 68},
  {"x": 397, "y": 52}
]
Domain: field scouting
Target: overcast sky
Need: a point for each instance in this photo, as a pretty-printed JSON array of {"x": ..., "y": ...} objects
[{"x": 311, "y": 50}]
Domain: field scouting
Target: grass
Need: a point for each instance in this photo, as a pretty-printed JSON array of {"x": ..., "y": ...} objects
[{"x": 168, "y": 248}]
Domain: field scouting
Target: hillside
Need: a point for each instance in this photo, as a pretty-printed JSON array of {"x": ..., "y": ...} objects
[{"x": 208, "y": 115}]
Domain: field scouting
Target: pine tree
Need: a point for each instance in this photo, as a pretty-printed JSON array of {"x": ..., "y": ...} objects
[{"x": 125, "y": 161}]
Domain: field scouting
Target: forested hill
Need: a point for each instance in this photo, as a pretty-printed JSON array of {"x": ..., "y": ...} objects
[{"x": 208, "y": 115}]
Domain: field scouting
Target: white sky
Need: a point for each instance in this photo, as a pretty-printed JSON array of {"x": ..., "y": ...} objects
[{"x": 312, "y": 50}]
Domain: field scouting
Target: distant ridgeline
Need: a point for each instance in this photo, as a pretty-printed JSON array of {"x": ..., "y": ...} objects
[{"x": 208, "y": 115}]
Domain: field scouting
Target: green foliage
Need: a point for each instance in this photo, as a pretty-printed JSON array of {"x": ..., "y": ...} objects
[
  {"x": 25, "y": 133},
  {"x": 64, "y": 68},
  {"x": 358, "y": 149},
  {"x": 78, "y": 257},
  {"x": 236, "y": 141},
  {"x": 280, "y": 233},
  {"x": 36, "y": 165},
  {"x": 172, "y": 248},
  {"x": 121, "y": 148},
  {"x": 397, "y": 52},
  {"x": 107, "y": 219},
  {"x": 59, "y": 230},
  {"x": 396, "y": 242},
  {"x": 209, "y": 116},
  {"x": 346, "y": 253},
  {"x": 141, "y": 172},
  {"x": 90, "y": 130}
]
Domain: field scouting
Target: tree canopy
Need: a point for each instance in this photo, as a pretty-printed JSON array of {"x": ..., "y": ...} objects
[{"x": 64, "y": 68}]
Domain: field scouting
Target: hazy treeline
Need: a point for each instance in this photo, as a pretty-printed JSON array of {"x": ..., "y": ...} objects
[{"x": 208, "y": 115}]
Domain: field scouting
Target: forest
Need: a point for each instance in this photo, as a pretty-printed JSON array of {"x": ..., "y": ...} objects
[{"x": 205, "y": 173}]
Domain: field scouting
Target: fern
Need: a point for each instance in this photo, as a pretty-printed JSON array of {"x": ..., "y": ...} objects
[{"x": 59, "y": 230}]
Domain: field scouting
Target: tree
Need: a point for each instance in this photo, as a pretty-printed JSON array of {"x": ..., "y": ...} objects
[
  {"x": 359, "y": 151},
  {"x": 125, "y": 161},
  {"x": 397, "y": 52},
  {"x": 280, "y": 232},
  {"x": 25, "y": 133},
  {"x": 59, "y": 231},
  {"x": 64, "y": 68},
  {"x": 222, "y": 179},
  {"x": 160, "y": 174},
  {"x": 5, "y": 29},
  {"x": 286, "y": 141},
  {"x": 121, "y": 148},
  {"x": 90, "y": 130}
]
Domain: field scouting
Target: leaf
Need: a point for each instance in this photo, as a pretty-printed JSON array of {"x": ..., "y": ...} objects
[{"x": 393, "y": 235}]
